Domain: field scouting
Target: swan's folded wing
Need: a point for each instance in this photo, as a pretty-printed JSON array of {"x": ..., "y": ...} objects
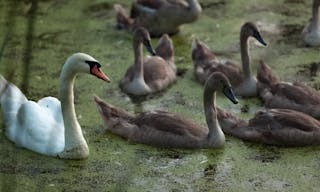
[
  {"x": 145, "y": 7},
  {"x": 285, "y": 127},
  {"x": 53, "y": 106},
  {"x": 11, "y": 100},
  {"x": 297, "y": 93},
  {"x": 171, "y": 123},
  {"x": 35, "y": 125},
  {"x": 298, "y": 120}
]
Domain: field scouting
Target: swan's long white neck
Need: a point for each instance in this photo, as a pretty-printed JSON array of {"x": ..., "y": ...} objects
[
  {"x": 215, "y": 136},
  {"x": 73, "y": 133},
  {"x": 315, "y": 25}
]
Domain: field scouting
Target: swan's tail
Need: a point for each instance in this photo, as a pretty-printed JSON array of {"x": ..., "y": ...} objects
[
  {"x": 3, "y": 85},
  {"x": 122, "y": 17},
  {"x": 11, "y": 98},
  {"x": 201, "y": 53},
  {"x": 109, "y": 112}
]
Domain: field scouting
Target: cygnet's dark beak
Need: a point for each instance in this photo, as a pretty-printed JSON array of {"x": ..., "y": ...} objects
[
  {"x": 257, "y": 35},
  {"x": 149, "y": 48},
  {"x": 228, "y": 92}
]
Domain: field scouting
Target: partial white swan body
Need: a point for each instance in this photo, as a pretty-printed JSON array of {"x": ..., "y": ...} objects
[
  {"x": 311, "y": 32},
  {"x": 49, "y": 127}
]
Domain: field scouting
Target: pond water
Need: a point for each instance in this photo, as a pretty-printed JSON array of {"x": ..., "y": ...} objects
[{"x": 37, "y": 37}]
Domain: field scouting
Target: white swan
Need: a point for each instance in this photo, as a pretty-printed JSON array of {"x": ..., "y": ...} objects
[
  {"x": 48, "y": 126},
  {"x": 311, "y": 32}
]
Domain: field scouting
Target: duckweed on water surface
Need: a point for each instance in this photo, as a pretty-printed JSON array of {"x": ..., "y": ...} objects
[{"x": 37, "y": 38}]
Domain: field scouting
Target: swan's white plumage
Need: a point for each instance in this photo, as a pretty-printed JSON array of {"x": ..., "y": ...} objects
[
  {"x": 40, "y": 126},
  {"x": 46, "y": 134}
]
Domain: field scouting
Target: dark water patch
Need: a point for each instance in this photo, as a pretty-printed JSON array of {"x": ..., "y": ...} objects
[
  {"x": 172, "y": 154},
  {"x": 98, "y": 130},
  {"x": 181, "y": 72},
  {"x": 308, "y": 73},
  {"x": 77, "y": 93},
  {"x": 50, "y": 36},
  {"x": 56, "y": 4},
  {"x": 249, "y": 106},
  {"x": 143, "y": 153},
  {"x": 55, "y": 75},
  {"x": 265, "y": 154},
  {"x": 139, "y": 100},
  {"x": 7, "y": 40},
  {"x": 245, "y": 108},
  {"x": 31, "y": 170},
  {"x": 216, "y": 153},
  {"x": 214, "y": 9},
  {"x": 28, "y": 49},
  {"x": 99, "y": 10},
  {"x": 34, "y": 93},
  {"x": 289, "y": 9},
  {"x": 210, "y": 172},
  {"x": 102, "y": 166},
  {"x": 228, "y": 53},
  {"x": 309, "y": 70},
  {"x": 81, "y": 183},
  {"x": 76, "y": 165},
  {"x": 176, "y": 97},
  {"x": 153, "y": 173},
  {"x": 114, "y": 92},
  {"x": 290, "y": 34},
  {"x": 213, "y": 5},
  {"x": 295, "y": 1}
]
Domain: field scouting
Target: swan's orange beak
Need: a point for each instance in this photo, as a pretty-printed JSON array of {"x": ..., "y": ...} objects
[{"x": 98, "y": 73}]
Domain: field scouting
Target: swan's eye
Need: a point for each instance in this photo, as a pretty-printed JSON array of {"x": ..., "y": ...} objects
[{"x": 93, "y": 63}]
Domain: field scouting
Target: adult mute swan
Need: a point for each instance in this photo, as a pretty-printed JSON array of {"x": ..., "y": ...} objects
[
  {"x": 160, "y": 128},
  {"x": 50, "y": 126}
]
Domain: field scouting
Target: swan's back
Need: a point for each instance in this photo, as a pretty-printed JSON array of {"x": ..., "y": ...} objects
[
  {"x": 11, "y": 100},
  {"x": 280, "y": 127},
  {"x": 205, "y": 63},
  {"x": 277, "y": 94},
  {"x": 284, "y": 127},
  {"x": 160, "y": 128},
  {"x": 158, "y": 73},
  {"x": 155, "y": 128},
  {"x": 45, "y": 134},
  {"x": 265, "y": 77}
]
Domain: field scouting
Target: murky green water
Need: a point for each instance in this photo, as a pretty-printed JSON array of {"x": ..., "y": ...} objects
[{"x": 36, "y": 40}]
